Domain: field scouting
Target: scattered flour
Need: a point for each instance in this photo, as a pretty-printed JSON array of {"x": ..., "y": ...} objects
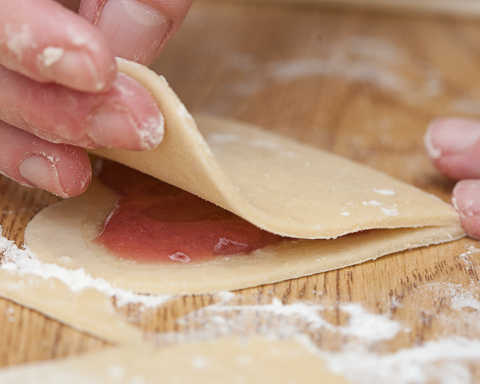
[
  {"x": 23, "y": 261},
  {"x": 338, "y": 65},
  {"x": 116, "y": 371},
  {"x": 388, "y": 211},
  {"x": 50, "y": 56},
  {"x": 290, "y": 319},
  {"x": 200, "y": 362},
  {"x": 220, "y": 138},
  {"x": 368, "y": 326},
  {"x": 387, "y": 192},
  {"x": 363, "y": 59},
  {"x": 465, "y": 105},
  {"x": 265, "y": 144},
  {"x": 442, "y": 361},
  {"x": 19, "y": 39},
  {"x": 446, "y": 360},
  {"x": 372, "y": 203},
  {"x": 392, "y": 211}
]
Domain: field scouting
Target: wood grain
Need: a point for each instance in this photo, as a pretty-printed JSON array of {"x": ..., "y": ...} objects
[
  {"x": 468, "y": 8},
  {"x": 361, "y": 85}
]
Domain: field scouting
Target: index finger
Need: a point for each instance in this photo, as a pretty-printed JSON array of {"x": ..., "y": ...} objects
[
  {"x": 49, "y": 43},
  {"x": 136, "y": 29}
]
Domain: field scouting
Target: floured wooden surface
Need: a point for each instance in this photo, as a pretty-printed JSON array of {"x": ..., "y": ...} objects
[
  {"x": 469, "y": 8},
  {"x": 368, "y": 92}
]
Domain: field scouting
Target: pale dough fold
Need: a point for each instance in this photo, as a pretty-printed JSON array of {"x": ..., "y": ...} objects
[
  {"x": 277, "y": 184},
  {"x": 256, "y": 360}
]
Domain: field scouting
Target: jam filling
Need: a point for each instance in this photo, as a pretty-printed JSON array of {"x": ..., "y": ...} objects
[{"x": 156, "y": 222}]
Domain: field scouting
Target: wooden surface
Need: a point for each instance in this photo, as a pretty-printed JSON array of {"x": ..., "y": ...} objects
[
  {"x": 358, "y": 84},
  {"x": 465, "y": 8}
]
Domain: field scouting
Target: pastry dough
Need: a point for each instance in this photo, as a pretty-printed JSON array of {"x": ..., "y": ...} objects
[
  {"x": 63, "y": 234},
  {"x": 257, "y": 360},
  {"x": 87, "y": 310},
  {"x": 279, "y": 185}
]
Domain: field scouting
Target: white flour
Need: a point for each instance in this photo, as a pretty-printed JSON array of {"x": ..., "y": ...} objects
[
  {"x": 445, "y": 360},
  {"x": 388, "y": 192},
  {"x": 277, "y": 320},
  {"x": 290, "y": 319},
  {"x": 365, "y": 59},
  {"x": 465, "y": 105},
  {"x": 23, "y": 261},
  {"x": 442, "y": 361}
]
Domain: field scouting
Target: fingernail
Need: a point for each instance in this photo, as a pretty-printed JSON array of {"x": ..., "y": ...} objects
[
  {"x": 111, "y": 127},
  {"x": 466, "y": 198},
  {"x": 134, "y": 29},
  {"x": 450, "y": 136},
  {"x": 41, "y": 172},
  {"x": 72, "y": 68}
]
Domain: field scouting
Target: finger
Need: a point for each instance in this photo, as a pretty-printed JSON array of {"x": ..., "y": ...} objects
[
  {"x": 61, "y": 169},
  {"x": 453, "y": 144},
  {"x": 136, "y": 29},
  {"x": 126, "y": 116},
  {"x": 49, "y": 43},
  {"x": 466, "y": 200}
]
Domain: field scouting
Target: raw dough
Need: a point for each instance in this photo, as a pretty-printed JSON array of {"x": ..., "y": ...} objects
[
  {"x": 257, "y": 360},
  {"x": 282, "y": 186},
  {"x": 279, "y": 185},
  {"x": 87, "y": 310},
  {"x": 62, "y": 234}
]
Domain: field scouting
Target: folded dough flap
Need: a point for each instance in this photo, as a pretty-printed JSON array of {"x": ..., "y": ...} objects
[{"x": 282, "y": 186}]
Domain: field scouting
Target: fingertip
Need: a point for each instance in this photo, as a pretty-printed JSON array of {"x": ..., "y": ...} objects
[
  {"x": 48, "y": 43},
  {"x": 433, "y": 151},
  {"x": 131, "y": 120},
  {"x": 75, "y": 171},
  {"x": 466, "y": 201},
  {"x": 136, "y": 30},
  {"x": 451, "y": 135},
  {"x": 84, "y": 62},
  {"x": 65, "y": 175},
  {"x": 452, "y": 145},
  {"x": 80, "y": 58},
  {"x": 79, "y": 70}
]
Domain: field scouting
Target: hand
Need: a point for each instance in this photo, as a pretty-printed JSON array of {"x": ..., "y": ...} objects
[
  {"x": 59, "y": 88},
  {"x": 453, "y": 144}
]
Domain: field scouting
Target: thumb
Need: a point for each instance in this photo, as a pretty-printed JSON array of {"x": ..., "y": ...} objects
[{"x": 136, "y": 29}]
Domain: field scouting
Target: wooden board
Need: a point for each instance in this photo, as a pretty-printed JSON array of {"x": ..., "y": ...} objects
[
  {"x": 465, "y": 8},
  {"x": 358, "y": 84}
]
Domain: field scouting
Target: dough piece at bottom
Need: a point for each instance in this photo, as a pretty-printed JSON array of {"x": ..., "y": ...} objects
[
  {"x": 86, "y": 310},
  {"x": 256, "y": 360}
]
